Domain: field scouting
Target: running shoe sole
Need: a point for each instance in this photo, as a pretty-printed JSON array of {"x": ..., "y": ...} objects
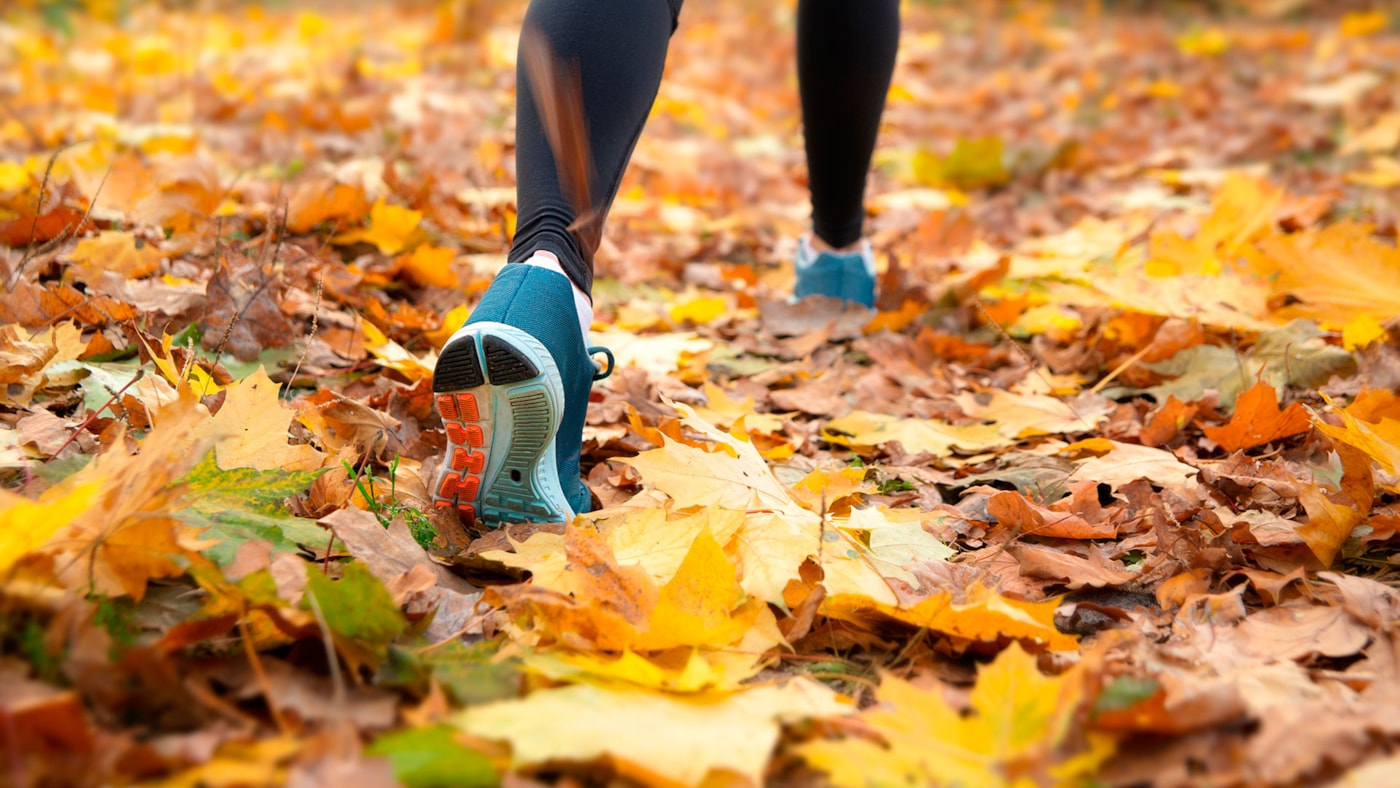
[{"x": 501, "y": 399}]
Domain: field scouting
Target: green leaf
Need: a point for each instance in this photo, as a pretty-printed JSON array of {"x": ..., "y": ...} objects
[
  {"x": 471, "y": 675},
  {"x": 1294, "y": 355},
  {"x": 1125, "y": 692},
  {"x": 357, "y": 607},
  {"x": 244, "y": 504},
  {"x": 432, "y": 758}
]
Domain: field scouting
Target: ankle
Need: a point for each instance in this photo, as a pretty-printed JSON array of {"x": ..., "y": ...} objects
[{"x": 822, "y": 247}]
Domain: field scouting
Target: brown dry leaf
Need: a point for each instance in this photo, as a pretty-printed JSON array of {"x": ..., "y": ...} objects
[
  {"x": 1075, "y": 571},
  {"x": 244, "y": 316},
  {"x": 412, "y": 576},
  {"x": 1298, "y": 632},
  {"x": 1016, "y": 512},
  {"x": 1126, "y": 462}
]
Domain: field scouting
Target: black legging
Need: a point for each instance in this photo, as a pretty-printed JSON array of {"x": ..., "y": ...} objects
[{"x": 845, "y": 57}]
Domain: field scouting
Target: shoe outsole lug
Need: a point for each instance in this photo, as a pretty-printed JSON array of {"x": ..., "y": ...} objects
[
  {"x": 459, "y": 367},
  {"x": 506, "y": 363}
]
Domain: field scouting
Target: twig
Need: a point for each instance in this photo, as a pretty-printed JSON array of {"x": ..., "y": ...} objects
[
  {"x": 261, "y": 676},
  {"x": 338, "y": 698},
  {"x": 140, "y": 373},
  {"x": 38, "y": 208},
  {"x": 315, "y": 317},
  {"x": 326, "y": 559},
  {"x": 1034, "y": 363},
  {"x": 1121, "y": 368}
]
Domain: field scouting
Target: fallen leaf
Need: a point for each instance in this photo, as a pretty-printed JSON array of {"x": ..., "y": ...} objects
[
  {"x": 650, "y": 737},
  {"x": 985, "y": 617},
  {"x": 390, "y": 229},
  {"x": 1018, "y": 731},
  {"x": 1258, "y": 420},
  {"x": 252, "y": 429}
]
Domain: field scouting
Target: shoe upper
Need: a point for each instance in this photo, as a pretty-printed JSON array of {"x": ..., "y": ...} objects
[
  {"x": 850, "y": 276},
  {"x": 540, "y": 302}
]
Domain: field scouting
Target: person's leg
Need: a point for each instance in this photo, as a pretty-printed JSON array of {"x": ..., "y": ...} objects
[
  {"x": 512, "y": 385},
  {"x": 845, "y": 59},
  {"x": 618, "y": 50}
]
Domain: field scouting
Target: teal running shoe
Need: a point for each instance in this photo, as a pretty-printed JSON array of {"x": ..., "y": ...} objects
[
  {"x": 512, "y": 389},
  {"x": 849, "y": 277}
]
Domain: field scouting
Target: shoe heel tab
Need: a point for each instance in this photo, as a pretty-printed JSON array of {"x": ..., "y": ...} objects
[{"x": 601, "y": 371}]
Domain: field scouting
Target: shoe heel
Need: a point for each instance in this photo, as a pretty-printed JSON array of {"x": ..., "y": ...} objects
[{"x": 501, "y": 402}]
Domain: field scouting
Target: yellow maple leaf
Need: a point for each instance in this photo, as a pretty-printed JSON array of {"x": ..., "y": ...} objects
[
  {"x": 984, "y": 616},
  {"x": 653, "y": 538},
  {"x": 1018, "y": 733},
  {"x": 187, "y": 376},
  {"x": 1336, "y": 274},
  {"x": 390, "y": 229},
  {"x": 1357, "y": 24},
  {"x": 1379, "y": 440},
  {"x": 429, "y": 266},
  {"x": 250, "y": 430},
  {"x": 1203, "y": 43},
  {"x": 453, "y": 320},
  {"x": 866, "y": 429},
  {"x": 652, "y": 738},
  {"x": 1028, "y": 415},
  {"x": 680, "y": 670},
  {"x": 1361, "y": 331},
  {"x": 1242, "y": 210},
  {"x": 700, "y": 310},
  {"x": 702, "y": 605},
  {"x": 393, "y": 355},
  {"x": 28, "y": 524},
  {"x": 738, "y": 478},
  {"x": 723, "y": 410},
  {"x": 14, "y": 176},
  {"x": 824, "y": 491}
]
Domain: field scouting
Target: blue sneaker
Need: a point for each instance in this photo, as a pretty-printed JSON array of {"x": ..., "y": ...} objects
[
  {"x": 850, "y": 277},
  {"x": 512, "y": 389}
]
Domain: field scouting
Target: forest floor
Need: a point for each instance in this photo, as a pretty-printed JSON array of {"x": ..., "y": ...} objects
[{"x": 1100, "y": 494}]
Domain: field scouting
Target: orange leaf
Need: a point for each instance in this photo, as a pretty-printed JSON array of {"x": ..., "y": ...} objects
[
  {"x": 1013, "y": 509},
  {"x": 320, "y": 201},
  {"x": 1258, "y": 420},
  {"x": 1328, "y": 524},
  {"x": 119, "y": 252},
  {"x": 1167, "y": 422}
]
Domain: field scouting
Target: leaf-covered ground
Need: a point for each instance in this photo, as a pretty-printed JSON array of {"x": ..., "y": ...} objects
[{"x": 1104, "y": 493}]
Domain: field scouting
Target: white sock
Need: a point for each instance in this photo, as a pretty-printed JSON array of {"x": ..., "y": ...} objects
[{"x": 547, "y": 260}]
